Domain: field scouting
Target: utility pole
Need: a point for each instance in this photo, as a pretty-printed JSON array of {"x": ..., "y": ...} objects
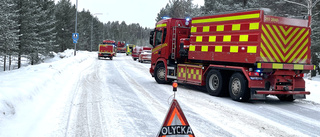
[{"x": 75, "y": 44}]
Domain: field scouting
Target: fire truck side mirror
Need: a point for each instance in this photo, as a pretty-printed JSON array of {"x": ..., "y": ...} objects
[{"x": 151, "y": 38}]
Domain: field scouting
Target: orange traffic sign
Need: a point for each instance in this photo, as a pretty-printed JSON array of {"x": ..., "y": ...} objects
[{"x": 175, "y": 123}]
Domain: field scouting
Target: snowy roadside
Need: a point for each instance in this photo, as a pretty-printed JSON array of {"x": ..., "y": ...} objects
[{"x": 39, "y": 87}]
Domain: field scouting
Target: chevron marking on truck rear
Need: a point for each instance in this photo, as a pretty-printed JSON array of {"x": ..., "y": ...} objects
[{"x": 285, "y": 44}]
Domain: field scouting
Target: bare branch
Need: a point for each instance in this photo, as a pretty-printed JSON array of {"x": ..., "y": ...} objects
[
  {"x": 315, "y": 3},
  {"x": 296, "y": 3},
  {"x": 315, "y": 14}
]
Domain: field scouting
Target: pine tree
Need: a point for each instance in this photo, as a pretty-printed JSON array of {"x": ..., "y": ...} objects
[
  {"x": 8, "y": 30},
  {"x": 64, "y": 14}
]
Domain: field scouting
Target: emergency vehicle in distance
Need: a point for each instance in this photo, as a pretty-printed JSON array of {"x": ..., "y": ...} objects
[
  {"x": 107, "y": 49},
  {"x": 121, "y": 47},
  {"x": 130, "y": 49},
  {"x": 246, "y": 55}
]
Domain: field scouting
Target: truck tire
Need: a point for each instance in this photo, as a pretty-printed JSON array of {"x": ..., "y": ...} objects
[
  {"x": 160, "y": 74},
  {"x": 110, "y": 58},
  {"x": 214, "y": 83},
  {"x": 134, "y": 59},
  {"x": 238, "y": 88}
]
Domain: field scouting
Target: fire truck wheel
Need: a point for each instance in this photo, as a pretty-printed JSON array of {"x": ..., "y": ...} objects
[
  {"x": 214, "y": 83},
  {"x": 160, "y": 73},
  {"x": 111, "y": 58},
  {"x": 134, "y": 59},
  {"x": 238, "y": 88}
]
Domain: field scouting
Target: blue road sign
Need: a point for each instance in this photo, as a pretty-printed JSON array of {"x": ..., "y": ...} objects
[{"x": 75, "y": 36}]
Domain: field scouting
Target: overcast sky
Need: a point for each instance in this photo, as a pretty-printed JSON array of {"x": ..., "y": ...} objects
[{"x": 143, "y": 12}]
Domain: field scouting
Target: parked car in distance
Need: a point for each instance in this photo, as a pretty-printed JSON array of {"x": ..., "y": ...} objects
[{"x": 145, "y": 55}]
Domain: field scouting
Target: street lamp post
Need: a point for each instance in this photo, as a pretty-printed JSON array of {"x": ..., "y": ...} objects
[{"x": 92, "y": 28}]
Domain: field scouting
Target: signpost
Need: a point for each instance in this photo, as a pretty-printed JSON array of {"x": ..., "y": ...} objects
[{"x": 175, "y": 124}]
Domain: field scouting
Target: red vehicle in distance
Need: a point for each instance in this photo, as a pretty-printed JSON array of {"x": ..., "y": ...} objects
[
  {"x": 121, "y": 47},
  {"x": 137, "y": 51},
  {"x": 145, "y": 55}
]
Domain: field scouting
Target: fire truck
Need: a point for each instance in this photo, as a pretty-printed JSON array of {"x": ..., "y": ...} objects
[
  {"x": 245, "y": 55},
  {"x": 121, "y": 47},
  {"x": 107, "y": 49}
]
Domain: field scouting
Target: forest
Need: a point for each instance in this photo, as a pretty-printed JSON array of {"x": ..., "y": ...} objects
[{"x": 36, "y": 28}]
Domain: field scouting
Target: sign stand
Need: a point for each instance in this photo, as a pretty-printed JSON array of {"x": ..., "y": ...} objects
[{"x": 175, "y": 123}]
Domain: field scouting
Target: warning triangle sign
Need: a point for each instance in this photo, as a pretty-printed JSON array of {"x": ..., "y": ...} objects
[{"x": 175, "y": 123}]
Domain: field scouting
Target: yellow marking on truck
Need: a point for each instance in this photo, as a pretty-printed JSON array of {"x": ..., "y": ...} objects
[
  {"x": 267, "y": 54},
  {"x": 235, "y": 27},
  {"x": 227, "y": 38},
  {"x": 252, "y": 49},
  {"x": 297, "y": 67},
  {"x": 277, "y": 66},
  {"x": 284, "y": 31},
  {"x": 298, "y": 52},
  {"x": 258, "y": 65},
  {"x": 220, "y": 28},
  {"x": 197, "y": 72},
  {"x": 218, "y": 48},
  {"x": 234, "y": 49},
  {"x": 270, "y": 48},
  {"x": 204, "y": 48},
  {"x": 206, "y": 29},
  {"x": 192, "y": 48},
  {"x": 254, "y": 26},
  {"x": 199, "y": 39},
  {"x": 199, "y": 77},
  {"x": 161, "y": 25},
  {"x": 243, "y": 38},
  {"x": 193, "y": 29},
  {"x": 228, "y": 18},
  {"x": 192, "y": 71},
  {"x": 296, "y": 46},
  {"x": 212, "y": 38}
]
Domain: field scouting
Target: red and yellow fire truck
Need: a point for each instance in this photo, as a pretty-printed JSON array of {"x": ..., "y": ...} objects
[
  {"x": 247, "y": 55},
  {"x": 107, "y": 49},
  {"x": 121, "y": 47}
]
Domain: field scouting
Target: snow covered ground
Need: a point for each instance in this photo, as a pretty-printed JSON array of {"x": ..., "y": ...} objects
[{"x": 48, "y": 100}]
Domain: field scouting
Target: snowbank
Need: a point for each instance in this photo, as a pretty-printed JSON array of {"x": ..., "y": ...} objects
[{"x": 20, "y": 86}]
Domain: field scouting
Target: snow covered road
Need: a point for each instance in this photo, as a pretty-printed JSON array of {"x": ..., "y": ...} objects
[{"x": 120, "y": 98}]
